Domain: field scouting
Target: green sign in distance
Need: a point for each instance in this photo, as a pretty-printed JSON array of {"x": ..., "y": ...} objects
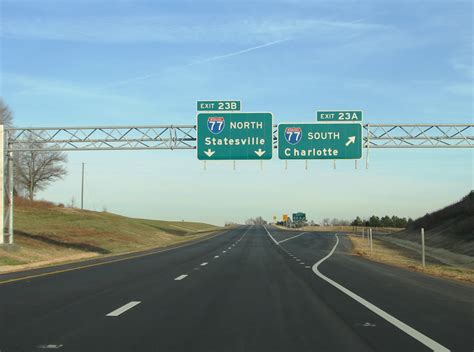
[
  {"x": 234, "y": 136},
  {"x": 339, "y": 116},
  {"x": 320, "y": 141},
  {"x": 224, "y": 105},
  {"x": 299, "y": 217}
]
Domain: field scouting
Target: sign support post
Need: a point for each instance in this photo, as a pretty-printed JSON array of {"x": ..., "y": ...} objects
[{"x": 10, "y": 195}]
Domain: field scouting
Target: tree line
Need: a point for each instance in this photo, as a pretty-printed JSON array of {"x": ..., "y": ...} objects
[
  {"x": 34, "y": 171},
  {"x": 384, "y": 221},
  {"x": 373, "y": 221}
]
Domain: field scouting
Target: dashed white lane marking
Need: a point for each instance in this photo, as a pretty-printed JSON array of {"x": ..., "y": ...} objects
[
  {"x": 216, "y": 256},
  {"x": 425, "y": 340},
  {"x": 297, "y": 260},
  {"x": 301, "y": 263},
  {"x": 307, "y": 267},
  {"x": 223, "y": 251},
  {"x": 204, "y": 264},
  {"x": 290, "y": 238},
  {"x": 245, "y": 233},
  {"x": 123, "y": 309},
  {"x": 229, "y": 248},
  {"x": 180, "y": 277}
]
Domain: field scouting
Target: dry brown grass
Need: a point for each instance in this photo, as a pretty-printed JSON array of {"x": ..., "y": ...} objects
[
  {"x": 47, "y": 234},
  {"x": 38, "y": 204},
  {"x": 384, "y": 252},
  {"x": 353, "y": 229}
]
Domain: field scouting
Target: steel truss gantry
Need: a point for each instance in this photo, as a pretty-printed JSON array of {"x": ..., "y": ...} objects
[
  {"x": 184, "y": 137},
  {"x": 177, "y": 137}
]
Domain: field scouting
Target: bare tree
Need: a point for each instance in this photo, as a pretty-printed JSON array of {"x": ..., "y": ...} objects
[
  {"x": 256, "y": 221},
  {"x": 6, "y": 115},
  {"x": 36, "y": 170}
]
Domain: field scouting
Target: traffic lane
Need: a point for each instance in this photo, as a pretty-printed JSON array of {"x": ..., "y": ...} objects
[
  {"x": 378, "y": 333},
  {"x": 246, "y": 300},
  {"x": 83, "y": 321},
  {"x": 13, "y": 276},
  {"x": 440, "y": 309},
  {"x": 71, "y": 297}
]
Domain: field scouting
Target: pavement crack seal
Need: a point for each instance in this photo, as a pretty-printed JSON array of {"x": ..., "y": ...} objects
[{"x": 425, "y": 340}]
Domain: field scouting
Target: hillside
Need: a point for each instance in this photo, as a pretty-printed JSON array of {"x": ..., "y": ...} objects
[
  {"x": 450, "y": 228},
  {"x": 46, "y": 233}
]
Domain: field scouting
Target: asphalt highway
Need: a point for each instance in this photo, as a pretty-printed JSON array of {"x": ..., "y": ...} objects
[{"x": 252, "y": 288}]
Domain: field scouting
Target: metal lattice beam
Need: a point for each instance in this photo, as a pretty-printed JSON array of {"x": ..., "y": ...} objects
[
  {"x": 419, "y": 136},
  {"x": 102, "y": 138},
  {"x": 184, "y": 137}
]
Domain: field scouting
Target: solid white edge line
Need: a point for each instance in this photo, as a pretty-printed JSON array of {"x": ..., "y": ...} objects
[
  {"x": 269, "y": 234},
  {"x": 123, "y": 309},
  {"x": 290, "y": 238},
  {"x": 274, "y": 240},
  {"x": 180, "y": 277},
  {"x": 425, "y": 340}
]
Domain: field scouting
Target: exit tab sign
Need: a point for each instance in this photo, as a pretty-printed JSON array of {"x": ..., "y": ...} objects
[
  {"x": 219, "y": 105},
  {"x": 340, "y": 116}
]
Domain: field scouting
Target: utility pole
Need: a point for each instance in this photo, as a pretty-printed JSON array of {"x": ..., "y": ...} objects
[
  {"x": 423, "y": 247},
  {"x": 82, "y": 188}
]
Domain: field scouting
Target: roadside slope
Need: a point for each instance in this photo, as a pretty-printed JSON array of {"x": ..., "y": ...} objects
[
  {"x": 46, "y": 234},
  {"x": 450, "y": 228}
]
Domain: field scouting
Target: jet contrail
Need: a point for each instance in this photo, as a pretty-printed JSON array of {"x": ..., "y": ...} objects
[
  {"x": 220, "y": 57},
  {"x": 209, "y": 59}
]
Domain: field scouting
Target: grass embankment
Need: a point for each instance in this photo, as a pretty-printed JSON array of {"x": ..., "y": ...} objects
[
  {"x": 389, "y": 253},
  {"x": 47, "y": 234}
]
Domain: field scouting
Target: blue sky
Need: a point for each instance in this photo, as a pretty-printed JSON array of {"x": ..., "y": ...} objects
[{"x": 138, "y": 62}]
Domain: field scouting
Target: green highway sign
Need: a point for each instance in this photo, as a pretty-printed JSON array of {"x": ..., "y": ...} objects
[
  {"x": 225, "y": 105},
  {"x": 339, "y": 116},
  {"x": 299, "y": 217},
  {"x": 234, "y": 136},
  {"x": 320, "y": 141}
]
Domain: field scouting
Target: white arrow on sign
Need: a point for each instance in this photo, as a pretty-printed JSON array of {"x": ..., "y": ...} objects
[
  {"x": 260, "y": 152},
  {"x": 351, "y": 140},
  {"x": 209, "y": 152}
]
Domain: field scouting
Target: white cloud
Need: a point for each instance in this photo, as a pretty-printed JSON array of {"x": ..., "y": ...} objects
[
  {"x": 40, "y": 86},
  {"x": 172, "y": 29},
  {"x": 464, "y": 65}
]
